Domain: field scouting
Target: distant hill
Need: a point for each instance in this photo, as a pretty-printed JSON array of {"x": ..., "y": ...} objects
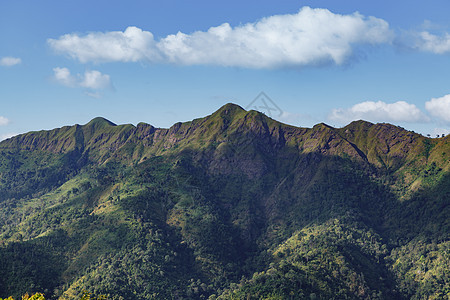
[{"x": 234, "y": 205}]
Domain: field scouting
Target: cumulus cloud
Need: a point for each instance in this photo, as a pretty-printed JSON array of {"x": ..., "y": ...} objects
[
  {"x": 9, "y": 61},
  {"x": 90, "y": 79},
  {"x": 428, "y": 42},
  {"x": 439, "y": 107},
  {"x": 400, "y": 111},
  {"x": 4, "y": 121},
  {"x": 63, "y": 76},
  {"x": 310, "y": 37},
  {"x": 132, "y": 45},
  {"x": 95, "y": 80}
]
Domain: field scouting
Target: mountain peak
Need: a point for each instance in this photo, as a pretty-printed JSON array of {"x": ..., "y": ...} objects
[
  {"x": 99, "y": 122},
  {"x": 226, "y": 114},
  {"x": 359, "y": 124},
  {"x": 230, "y": 108}
]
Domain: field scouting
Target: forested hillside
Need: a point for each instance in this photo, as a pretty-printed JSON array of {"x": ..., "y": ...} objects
[{"x": 234, "y": 205}]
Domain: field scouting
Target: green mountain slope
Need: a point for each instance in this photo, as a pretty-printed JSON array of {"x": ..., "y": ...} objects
[{"x": 234, "y": 205}]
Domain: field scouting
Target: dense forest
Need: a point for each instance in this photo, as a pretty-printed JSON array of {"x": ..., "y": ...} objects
[{"x": 234, "y": 205}]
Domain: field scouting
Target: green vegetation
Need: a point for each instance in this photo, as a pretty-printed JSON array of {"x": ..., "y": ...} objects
[
  {"x": 231, "y": 206},
  {"x": 39, "y": 296}
]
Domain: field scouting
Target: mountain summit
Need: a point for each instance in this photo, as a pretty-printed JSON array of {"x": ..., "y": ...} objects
[
  {"x": 99, "y": 123},
  {"x": 234, "y": 205}
]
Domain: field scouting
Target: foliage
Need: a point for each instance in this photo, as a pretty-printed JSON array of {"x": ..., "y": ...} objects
[{"x": 39, "y": 296}]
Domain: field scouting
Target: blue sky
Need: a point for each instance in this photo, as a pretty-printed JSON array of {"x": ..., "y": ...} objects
[{"x": 160, "y": 62}]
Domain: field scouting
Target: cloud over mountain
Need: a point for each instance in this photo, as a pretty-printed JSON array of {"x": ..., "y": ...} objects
[
  {"x": 309, "y": 37},
  {"x": 439, "y": 107},
  {"x": 380, "y": 111}
]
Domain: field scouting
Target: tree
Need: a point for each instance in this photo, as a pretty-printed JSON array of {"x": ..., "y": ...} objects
[{"x": 37, "y": 296}]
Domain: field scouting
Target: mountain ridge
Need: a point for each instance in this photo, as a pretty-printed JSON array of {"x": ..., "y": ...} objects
[
  {"x": 233, "y": 205},
  {"x": 389, "y": 148},
  {"x": 67, "y": 133}
]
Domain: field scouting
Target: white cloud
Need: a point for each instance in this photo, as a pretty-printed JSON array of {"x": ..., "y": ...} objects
[
  {"x": 90, "y": 79},
  {"x": 132, "y": 45},
  {"x": 426, "y": 41},
  {"x": 400, "y": 111},
  {"x": 439, "y": 107},
  {"x": 9, "y": 61},
  {"x": 63, "y": 76},
  {"x": 310, "y": 37},
  {"x": 95, "y": 80},
  {"x": 4, "y": 121}
]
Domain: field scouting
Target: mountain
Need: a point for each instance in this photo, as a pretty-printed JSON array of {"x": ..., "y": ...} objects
[{"x": 234, "y": 205}]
